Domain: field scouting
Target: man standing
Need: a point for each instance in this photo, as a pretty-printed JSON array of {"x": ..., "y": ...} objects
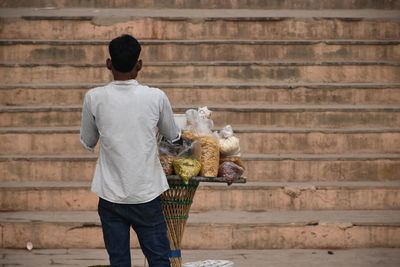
[{"x": 125, "y": 115}]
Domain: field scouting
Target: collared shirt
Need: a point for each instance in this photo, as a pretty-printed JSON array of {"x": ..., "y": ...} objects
[{"x": 126, "y": 116}]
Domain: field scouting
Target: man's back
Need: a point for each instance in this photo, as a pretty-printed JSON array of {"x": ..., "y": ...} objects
[{"x": 127, "y": 115}]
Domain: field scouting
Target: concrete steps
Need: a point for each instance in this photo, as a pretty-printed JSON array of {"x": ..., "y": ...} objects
[
  {"x": 198, "y": 24},
  {"x": 322, "y": 116},
  {"x": 67, "y": 94},
  {"x": 259, "y": 167},
  {"x": 95, "y": 52},
  {"x": 211, "y": 4},
  {"x": 211, "y": 72},
  {"x": 252, "y": 197},
  {"x": 257, "y": 140},
  {"x": 217, "y": 230},
  {"x": 313, "y": 95}
]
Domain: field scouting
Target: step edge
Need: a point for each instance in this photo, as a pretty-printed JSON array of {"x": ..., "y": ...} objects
[
  {"x": 245, "y": 157},
  {"x": 80, "y": 86},
  {"x": 259, "y": 186},
  {"x": 237, "y": 129},
  {"x": 196, "y": 42}
]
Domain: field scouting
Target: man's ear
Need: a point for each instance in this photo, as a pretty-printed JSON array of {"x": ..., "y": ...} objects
[
  {"x": 139, "y": 65},
  {"x": 109, "y": 64}
]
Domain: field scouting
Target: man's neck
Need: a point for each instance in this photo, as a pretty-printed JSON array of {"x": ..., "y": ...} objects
[{"x": 123, "y": 76}]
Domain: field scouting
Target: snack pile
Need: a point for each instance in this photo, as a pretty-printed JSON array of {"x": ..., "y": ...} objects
[{"x": 202, "y": 151}]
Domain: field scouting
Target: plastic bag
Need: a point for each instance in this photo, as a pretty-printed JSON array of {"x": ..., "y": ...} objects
[
  {"x": 186, "y": 168},
  {"x": 166, "y": 162},
  {"x": 192, "y": 117},
  {"x": 208, "y": 155},
  {"x": 230, "y": 171},
  {"x": 167, "y": 153},
  {"x": 228, "y": 143},
  {"x": 207, "y": 149},
  {"x": 204, "y": 113}
]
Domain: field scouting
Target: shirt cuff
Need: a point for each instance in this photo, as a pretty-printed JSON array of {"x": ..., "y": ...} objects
[
  {"x": 176, "y": 139},
  {"x": 86, "y": 146}
]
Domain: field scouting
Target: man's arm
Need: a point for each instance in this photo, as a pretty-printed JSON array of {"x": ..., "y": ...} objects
[
  {"x": 89, "y": 132},
  {"x": 166, "y": 123}
]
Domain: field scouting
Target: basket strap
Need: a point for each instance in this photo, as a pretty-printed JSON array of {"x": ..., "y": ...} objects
[{"x": 176, "y": 202}]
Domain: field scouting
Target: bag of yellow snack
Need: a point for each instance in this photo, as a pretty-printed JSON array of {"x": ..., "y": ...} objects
[{"x": 186, "y": 168}]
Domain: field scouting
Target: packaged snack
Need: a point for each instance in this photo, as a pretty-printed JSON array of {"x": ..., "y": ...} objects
[
  {"x": 189, "y": 135},
  {"x": 208, "y": 154},
  {"x": 186, "y": 168},
  {"x": 230, "y": 171},
  {"x": 228, "y": 143},
  {"x": 166, "y": 163},
  {"x": 167, "y": 153},
  {"x": 207, "y": 149}
]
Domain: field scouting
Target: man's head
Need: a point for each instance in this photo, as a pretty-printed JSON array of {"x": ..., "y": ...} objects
[{"x": 124, "y": 52}]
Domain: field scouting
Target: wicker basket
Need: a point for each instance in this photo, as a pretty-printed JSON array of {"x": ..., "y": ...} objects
[{"x": 176, "y": 205}]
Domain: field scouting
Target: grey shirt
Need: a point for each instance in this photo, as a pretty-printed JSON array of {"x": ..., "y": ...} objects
[{"x": 126, "y": 116}]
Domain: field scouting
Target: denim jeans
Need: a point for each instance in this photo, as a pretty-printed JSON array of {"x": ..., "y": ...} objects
[{"x": 149, "y": 224}]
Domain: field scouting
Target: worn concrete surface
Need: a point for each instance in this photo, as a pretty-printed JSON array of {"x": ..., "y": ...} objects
[
  {"x": 197, "y": 13},
  {"x": 241, "y": 258}
]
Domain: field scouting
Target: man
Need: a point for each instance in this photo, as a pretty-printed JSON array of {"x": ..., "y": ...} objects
[{"x": 125, "y": 115}]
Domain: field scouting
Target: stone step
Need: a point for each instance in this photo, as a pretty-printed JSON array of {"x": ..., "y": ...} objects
[
  {"x": 259, "y": 167},
  {"x": 66, "y": 94},
  {"x": 253, "y": 196},
  {"x": 199, "y": 24},
  {"x": 257, "y": 140},
  {"x": 217, "y": 230},
  {"x": 83, "y": 52},
  {"x": 211, "y": 72},
  {"x": 211, "y": 4},
  {"x": 365, "y": 257},
  {"x": 312, "y": 116}
]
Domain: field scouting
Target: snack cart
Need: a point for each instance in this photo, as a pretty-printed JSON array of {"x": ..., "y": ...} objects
[{"x": 196, "y": 160}]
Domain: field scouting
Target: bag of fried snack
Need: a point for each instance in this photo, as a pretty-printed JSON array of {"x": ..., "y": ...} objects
[
  {"x": 207, "y": 148},
  {"x": 186, "y": 168},
  {"x": 167, "y": 153},
  {"x": 230, "y": 171}
]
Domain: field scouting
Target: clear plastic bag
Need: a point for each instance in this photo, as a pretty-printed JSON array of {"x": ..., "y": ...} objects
[
  {"x": 186, "y": 168},
  {"x": 167, "y": 153},
  {"x": 204, "y": 113},
  {"x": 166, "y": 162},
  {"x": 228, "y": 143},
  {"x": 207, "y": 149},
  {"x": 230, "y": 171},
  {"x": 192, "y": 117}
]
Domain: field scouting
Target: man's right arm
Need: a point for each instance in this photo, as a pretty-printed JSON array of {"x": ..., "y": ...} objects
[{"x": 89, "y": 134}]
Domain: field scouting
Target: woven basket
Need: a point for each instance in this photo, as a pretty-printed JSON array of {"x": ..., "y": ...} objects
[{"x": 176, "y": 204}]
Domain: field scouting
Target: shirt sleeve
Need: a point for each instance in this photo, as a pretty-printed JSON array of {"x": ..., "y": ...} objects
[
  {"x": 166, "y": 123},
  {"x": 89, "y": 134}
]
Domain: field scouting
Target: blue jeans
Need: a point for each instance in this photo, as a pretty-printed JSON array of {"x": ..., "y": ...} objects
[{"x": 146, "y": 219}]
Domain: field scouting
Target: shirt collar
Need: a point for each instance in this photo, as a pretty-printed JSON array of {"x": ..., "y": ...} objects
[{"x": 127, "y": 82}]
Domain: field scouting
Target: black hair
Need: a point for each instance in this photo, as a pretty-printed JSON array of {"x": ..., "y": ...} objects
[{"x": 124, "y": 52}]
